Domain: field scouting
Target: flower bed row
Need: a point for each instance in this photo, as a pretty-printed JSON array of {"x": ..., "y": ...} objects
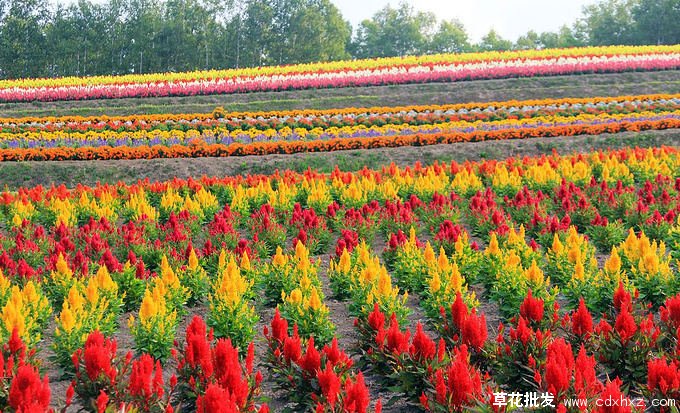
[
  {"x": 374, "y": 116},
  {"x": 392, "y": 136},
  {"x": 436, "y": 68}
]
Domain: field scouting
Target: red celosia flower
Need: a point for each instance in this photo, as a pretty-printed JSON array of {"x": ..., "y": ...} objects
[
  {"x": 215, "y": 399},
  {"x": 459, "y": 311},
  {"x": 532, "y": 308},
  {"x": 424, "y": 402},
  {"x": 279, "y": 327},
  {"x": 423, "y": 347},
  {"x": 146, "y": 378},
  {"x": 625, "y": 325},
  {"x": 27, "y": 392},
  {"x": 585, "y": 376},
  {"x": 604, "y": 328},
  {"x": 311, "y": 361},
  {"x": 663, "y": 377},
  {"x": 197, "y": 353},
  {"x": 102, "y": 401},
  {"x": 15, "y": 345},
  {"x": 356, "y": 398},
  {"x": 292, "y": 349},
  {"x": 335, "y": 356},
  {"x": 559, "y": 367},
  {"x": 228, "y": 371},
  {"x": 622, "y": 299},
  {"x": 376, "y": 319},
  {"x": 463, "y": 382},
  {"x": 523, "y": 333},
  {"x": 330, "y": 385},
  {"x": 581, "y": 320},
  {"x": 397, "y": 342},
  {"x": 670, "y": 311},
  {"x": 473, "y": 331},
  {"x": 70, "y": 392},
  {"x": 98, "y": 354},
  {"x": 612, "y": 391}
]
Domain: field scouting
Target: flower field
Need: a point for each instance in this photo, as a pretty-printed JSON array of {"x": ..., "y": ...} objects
[
  {"x": 257, "y": 133},
  {"x": 370, "y": 72},
  {"x": 553, "y": 275}
]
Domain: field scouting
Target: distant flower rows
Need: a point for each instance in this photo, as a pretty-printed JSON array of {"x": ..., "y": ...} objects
[
  {"x": 227, "y": 134},
  {"x": 385, "y": 71}
]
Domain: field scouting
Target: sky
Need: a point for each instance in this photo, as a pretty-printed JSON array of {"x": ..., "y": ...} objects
[{"x": 510, "y": 18}]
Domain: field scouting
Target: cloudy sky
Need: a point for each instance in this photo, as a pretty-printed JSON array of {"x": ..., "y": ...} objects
[{"x": 510, "y": 18}]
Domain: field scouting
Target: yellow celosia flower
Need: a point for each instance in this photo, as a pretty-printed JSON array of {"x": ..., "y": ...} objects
[
  {"x": 222, "y": 260},
  {"x": 579, "y": 271},
  {"x": 443, "y": 261},
  {"x": 613, "y": 263},
  {"x": 534, "y": 274},
  {"x": 152, "y": 306},
  {"x": 302, "y": 256},
  {"x": 231, "y": 286},
  {"x": 455, "y": 279},
  {"x": 279, "y": 260},
  {"x": 62, "y": 267},
  {"x": 493, "y": 248},
  {"x": 67, "y": 320},
  {"x": 513, "y": 260},
  {"x": 345, "y": 262},
  {"x": 12, "y": 313},
  {"x": 314, "y": 300},
  {"x": 435, "y": 282},
  {"x": 245, "y": 262},
  {"x": 295, "y": 296},
  {"x": 557, "y": 246},
  {"x": 168, "y": 274},
  {"x": 75, "y": 300},
  {"x": 92, "y": 293},
  {"x": 193, "y": 260}
]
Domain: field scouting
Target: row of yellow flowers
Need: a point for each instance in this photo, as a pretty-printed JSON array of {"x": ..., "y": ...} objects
[{"x": 114, "y": 138}]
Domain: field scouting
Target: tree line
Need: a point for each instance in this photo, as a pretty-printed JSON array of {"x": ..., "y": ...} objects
[{"x": 41, "y": 39}]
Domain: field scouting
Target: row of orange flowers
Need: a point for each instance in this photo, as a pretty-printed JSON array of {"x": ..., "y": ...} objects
[{"x": 199, "y": 149}]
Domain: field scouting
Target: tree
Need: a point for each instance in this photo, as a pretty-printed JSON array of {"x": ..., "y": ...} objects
[
  {"x": 493, "y": 41},
  {"x": 22, "y": 51},
  {"x": 658, "y": 21},
  {"x": 257, "y": 33},
  {"x": 450, "y": 38},
  {"x": 395, "y": 32},
  {"x": 313, "y": 31},
  {"x": 531, "y": 40},
  {"x": 610, "y": 22}
]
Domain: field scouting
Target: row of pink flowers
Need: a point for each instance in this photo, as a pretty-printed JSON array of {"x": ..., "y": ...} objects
[{"x": 397, "y": 74}]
